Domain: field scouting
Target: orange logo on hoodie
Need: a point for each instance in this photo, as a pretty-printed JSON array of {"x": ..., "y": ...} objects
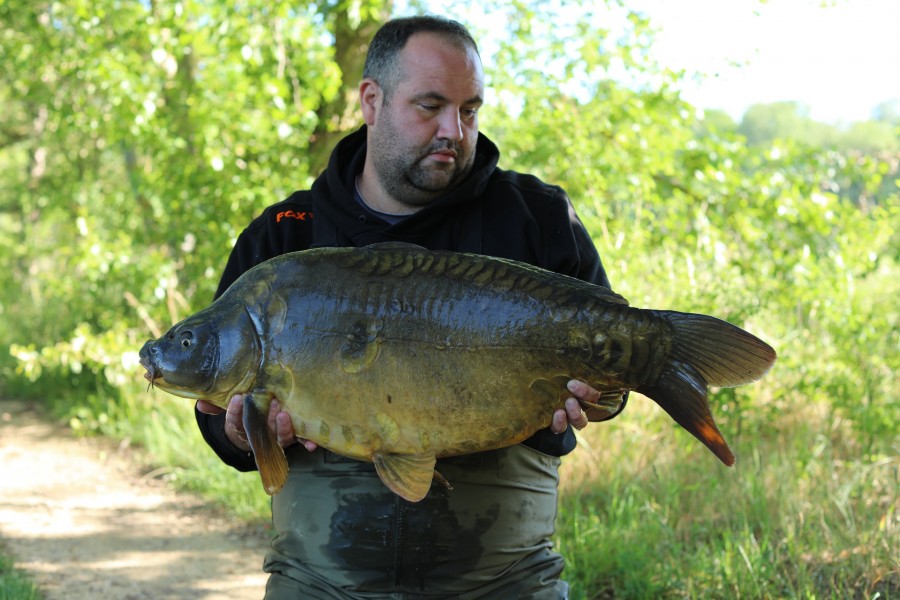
[{"x": 291, "y": 214}]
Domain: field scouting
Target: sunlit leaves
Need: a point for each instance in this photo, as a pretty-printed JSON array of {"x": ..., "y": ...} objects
[
  {"x": 138, "y": 138},
  {"x": 130, "y": 128}
]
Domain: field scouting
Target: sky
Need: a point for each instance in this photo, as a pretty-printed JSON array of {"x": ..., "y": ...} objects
[{"x": 840, "y": 60}]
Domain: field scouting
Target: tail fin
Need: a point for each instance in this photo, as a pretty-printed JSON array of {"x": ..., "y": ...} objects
[{"x": 706, "y": 351}]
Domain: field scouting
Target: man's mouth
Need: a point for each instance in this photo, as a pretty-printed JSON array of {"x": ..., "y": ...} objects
[{"x": 443, "y": 155}]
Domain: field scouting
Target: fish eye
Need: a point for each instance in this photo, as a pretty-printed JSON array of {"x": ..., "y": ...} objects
[{"x": 187, "y": 338}]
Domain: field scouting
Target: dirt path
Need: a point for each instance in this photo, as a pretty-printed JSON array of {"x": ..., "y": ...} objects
[{"x": 81, "y": 520}]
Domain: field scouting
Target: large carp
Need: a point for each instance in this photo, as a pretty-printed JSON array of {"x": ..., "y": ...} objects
[{"x": 398, "y": 355}]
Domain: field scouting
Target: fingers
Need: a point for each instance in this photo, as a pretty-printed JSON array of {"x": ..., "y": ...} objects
[
  {"x": 605, "y": 406},
  {"x": 278, "y": 420},
  {"x": 571, "y": 413},
  {"x": 308, "y": 444},
  {"x": 284, "y": 428},
  {"x": 280, "y": 423},
  {"x": 234, "y": 423},
  {"x": 208, "y": 408},
  {"x": 583, "y": 391},
  {"x": 560, "y": 422},
  {"x": 577, "y": 418}
]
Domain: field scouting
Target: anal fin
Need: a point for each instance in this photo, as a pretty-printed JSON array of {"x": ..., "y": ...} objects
[
  {"x": 269, "y": 455},
  {"x": 407, "y": 475}
]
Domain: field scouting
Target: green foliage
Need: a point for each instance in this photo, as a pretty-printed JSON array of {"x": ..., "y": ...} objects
[
  {"x": 763, "y": 124},
  {"x": 14, "y": 584},
  {"x": 139, "y": 138},
  {"x": 801, "y": 515}
]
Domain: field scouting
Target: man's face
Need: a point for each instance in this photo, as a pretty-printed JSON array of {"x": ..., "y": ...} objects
[{"x": 422, "y": 140}]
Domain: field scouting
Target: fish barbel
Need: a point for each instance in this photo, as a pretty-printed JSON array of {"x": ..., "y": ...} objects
[{"x": 399, "y": 355}]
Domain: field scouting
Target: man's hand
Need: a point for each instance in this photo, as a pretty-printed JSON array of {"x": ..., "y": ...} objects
[
  {"x": 279, "y": 422},
  {"x": 572, "y": 414}
]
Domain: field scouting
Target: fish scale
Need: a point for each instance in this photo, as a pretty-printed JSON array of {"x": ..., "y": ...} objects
[{"x": 399, "y": 355}]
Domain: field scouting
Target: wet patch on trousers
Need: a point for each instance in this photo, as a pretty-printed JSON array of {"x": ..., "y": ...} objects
[{"x": 399, "y": 544}]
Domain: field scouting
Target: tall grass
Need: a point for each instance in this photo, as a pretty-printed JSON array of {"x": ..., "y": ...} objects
[
  {"x": 14, "y": 584},
  {"x": 648, "y": 513}
]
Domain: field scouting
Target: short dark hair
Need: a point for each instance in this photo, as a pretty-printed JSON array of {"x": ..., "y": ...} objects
[{"x": 381, "y": 60}]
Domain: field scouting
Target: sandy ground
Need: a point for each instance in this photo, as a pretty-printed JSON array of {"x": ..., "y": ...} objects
[{"x": 82, "y": 520}]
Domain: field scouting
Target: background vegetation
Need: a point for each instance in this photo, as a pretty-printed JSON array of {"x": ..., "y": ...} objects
[{"x": 139, "y": 138}]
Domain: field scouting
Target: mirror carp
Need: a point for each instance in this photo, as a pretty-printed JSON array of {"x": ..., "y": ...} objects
[{"x": 399, "y": 355}]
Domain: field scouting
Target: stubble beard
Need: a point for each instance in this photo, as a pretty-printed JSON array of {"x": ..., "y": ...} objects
[{"x": 405, "y": 174}]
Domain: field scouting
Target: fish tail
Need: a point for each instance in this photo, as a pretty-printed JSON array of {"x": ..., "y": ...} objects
[{"x": 706, "y": 352}]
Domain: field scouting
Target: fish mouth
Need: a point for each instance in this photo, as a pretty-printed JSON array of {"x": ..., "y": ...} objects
[
  {"x": 156, "y": 379},
  {"x": 151, "y": 374}
]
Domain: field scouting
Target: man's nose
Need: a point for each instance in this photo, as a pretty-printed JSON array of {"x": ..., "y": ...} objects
[{"x": 450, "y": 126}]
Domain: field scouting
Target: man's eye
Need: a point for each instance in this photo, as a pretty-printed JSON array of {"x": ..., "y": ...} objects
[
  {"x": 429, "y": 107},
  {"x": 469, "y": 112}
]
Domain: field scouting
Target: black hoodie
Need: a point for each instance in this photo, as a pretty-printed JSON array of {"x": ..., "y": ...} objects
[{"x": 493, "y": 212}]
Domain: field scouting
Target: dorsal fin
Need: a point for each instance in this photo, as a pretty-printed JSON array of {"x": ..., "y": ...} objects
[{"x": 393, "y": 245}]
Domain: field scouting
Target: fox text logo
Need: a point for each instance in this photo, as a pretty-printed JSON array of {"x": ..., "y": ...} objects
[{"x": 292, "y": 214}]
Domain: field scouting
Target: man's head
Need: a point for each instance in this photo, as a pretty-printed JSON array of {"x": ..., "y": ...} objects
[
  {"x": 382, "y": 64},
  {"x": 422, "y": 87}
]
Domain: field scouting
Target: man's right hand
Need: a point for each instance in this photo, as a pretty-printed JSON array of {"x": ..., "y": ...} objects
[{"x": 279, "y": 422}]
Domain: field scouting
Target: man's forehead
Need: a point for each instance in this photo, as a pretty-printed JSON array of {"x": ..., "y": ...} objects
[
  {"x": 429, "y": 94},
  {"x": 436, "y": 64}
]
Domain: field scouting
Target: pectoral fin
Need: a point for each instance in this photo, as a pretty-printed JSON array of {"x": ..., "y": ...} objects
[
  {"x": 609, "y": 401},
  {"x": 270, "y": 459},
  {"x": 407, "y": 475}
]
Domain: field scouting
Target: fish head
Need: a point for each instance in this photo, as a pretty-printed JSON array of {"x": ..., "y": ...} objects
[{"x": 212, "y": 355}]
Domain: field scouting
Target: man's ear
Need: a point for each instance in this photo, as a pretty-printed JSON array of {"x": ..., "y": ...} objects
[{"x": 370, "y": 99}]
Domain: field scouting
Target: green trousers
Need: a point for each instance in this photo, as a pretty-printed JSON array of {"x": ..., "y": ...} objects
[{"x": 341, "y": 534}]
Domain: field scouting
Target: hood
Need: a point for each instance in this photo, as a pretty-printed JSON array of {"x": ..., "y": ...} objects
[{"x": 448, "y": 223}]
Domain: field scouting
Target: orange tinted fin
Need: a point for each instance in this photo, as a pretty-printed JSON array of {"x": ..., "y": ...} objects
[
  {"x": 706, "y": 351},
  {"x": 682, "y": 393},
  {"x": 269, "y": 455},
  {"x": 407, "y": 475}
]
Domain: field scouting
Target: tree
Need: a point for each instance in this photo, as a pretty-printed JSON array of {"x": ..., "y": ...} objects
[
  {"x": 763, "y": 123},
  {"x": 870, "y": 136},
  {"x": 139, "y": 136}
]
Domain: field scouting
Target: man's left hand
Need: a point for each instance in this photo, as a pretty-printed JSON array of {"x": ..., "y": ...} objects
[{"x": 573, "y": 414}]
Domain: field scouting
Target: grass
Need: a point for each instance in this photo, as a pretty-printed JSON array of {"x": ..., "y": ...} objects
[
  {"x": 649, "y": 513},
  {"x": 808, "y": 512},
  {"x": 14, "y": 583}
]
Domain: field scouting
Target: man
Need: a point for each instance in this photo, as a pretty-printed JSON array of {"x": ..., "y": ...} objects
[{"x": 418, "y": 172}]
